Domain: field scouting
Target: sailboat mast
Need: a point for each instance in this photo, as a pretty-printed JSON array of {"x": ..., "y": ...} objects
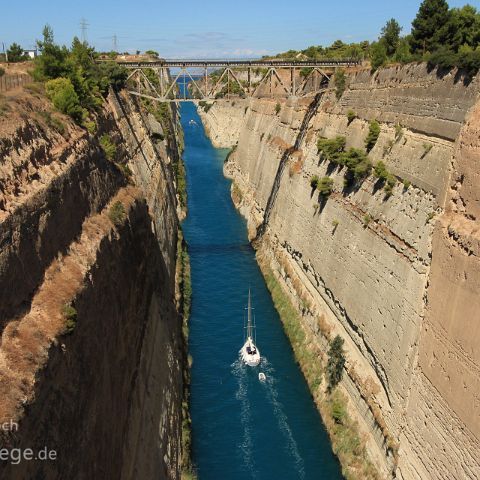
[{"x": 249, "y": 324}]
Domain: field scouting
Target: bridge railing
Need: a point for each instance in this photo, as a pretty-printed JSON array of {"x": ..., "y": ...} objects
[{"x": 172, "y": 63}]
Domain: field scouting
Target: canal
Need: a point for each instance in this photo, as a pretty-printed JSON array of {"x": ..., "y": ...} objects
[{"x": 242, "y": 428}]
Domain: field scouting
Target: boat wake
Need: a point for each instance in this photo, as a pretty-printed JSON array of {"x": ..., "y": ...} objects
[
  {"x": 239, "y": 370},
  {"x": 269, "y": 385}
]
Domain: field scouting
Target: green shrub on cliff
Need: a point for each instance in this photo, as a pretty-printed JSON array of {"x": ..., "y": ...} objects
[
  {"x": 398, "y": 132},
  {"x": 336, "y": 362},
  {"x": 390, "y": 183},
  {"x": 90, "y": 125},
  {"x": 278, "y": 107},
  {"x": 356, "y": 162},
  {"x": 351, "y": 116},
  {"x": 206, "y": 106},
  {"x": 362, "y": 169},
  {"x": 373, "y": 134},
  {"x": 426, "y": 149},
  {"x": 385, "y": 176},
  {"x": 325, "y": 186},
  {"x": 108, "y": 147},
  {"x": 117, "y": 214},
  {"x": 64, "y": 98},
  {"x": 163, "y": 114},
  {"x": 331, "y": 149},
  {"x": 340, "y": 82},
  {"x": 70, "y": 315},
  {"x": 338, "y": 410},
  {"x": 181, "y": 177},
  {"x": 380, "y": 171}
]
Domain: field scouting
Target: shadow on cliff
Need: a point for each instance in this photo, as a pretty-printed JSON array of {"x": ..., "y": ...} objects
[
  {"x": 464, "y": 75},
  {"x": 110, "y": 377}
]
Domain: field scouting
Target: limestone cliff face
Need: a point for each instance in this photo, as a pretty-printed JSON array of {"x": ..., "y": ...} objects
[
  {"x": 104, "y": 391},
  {"x": 223, "y": 123},
  {"x": 397, "y": 277}
]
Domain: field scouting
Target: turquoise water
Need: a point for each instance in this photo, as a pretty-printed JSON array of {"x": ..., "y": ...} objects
[{"x": 242, "y": 428}]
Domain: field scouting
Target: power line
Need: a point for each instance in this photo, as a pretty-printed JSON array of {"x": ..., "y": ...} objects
[{"x": 83, "y": 28}]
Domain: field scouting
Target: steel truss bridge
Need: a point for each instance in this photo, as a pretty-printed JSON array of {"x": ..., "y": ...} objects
[{"x": 201, "y": 80}]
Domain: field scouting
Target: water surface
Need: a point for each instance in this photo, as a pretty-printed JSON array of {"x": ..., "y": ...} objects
[{"x": 242, "y": 428}]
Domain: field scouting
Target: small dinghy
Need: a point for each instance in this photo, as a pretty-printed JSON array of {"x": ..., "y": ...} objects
[
  {"x": 249, "y": 352},
  {"x": 262, "y": 377}
]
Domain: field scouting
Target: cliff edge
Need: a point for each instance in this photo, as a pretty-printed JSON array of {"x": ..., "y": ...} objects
[
  {"x": 92, "y": 354},
  {"x": 394, "y": 271}
]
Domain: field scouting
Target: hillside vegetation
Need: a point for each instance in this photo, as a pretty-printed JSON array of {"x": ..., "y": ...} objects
[
  {"x": 443, "y": 36},
  {"x": 74, "y": 83}
]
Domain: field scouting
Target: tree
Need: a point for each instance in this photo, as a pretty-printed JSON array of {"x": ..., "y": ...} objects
[
  {"x": 51, "y": 63},
  {"x": 340, "y": 82},
  {"x": 373, "y": 133},
  {"x": 331, "y": 149},
  {"x": 381, "y": 171},
  {"x": 15, "y": 53},
  {"x": 75, "y": 69},
  {"x": 336, "y": 362},
  {"x": 402, "y": 53},
  {"x": 47, "y": 34},
  {"x": 325, "y": 186},
  {"x": 354, "y": 51},
  {"x": 378, "y": 55},
  {"x": 64, "y": 98},
  {"x": 463, "y": 28},
  {"x": 337, "y": 45},
  {"x": 391, "y": 36},
  {"x": 428, "y": 27},
  {"x": 311, "y": 52}
]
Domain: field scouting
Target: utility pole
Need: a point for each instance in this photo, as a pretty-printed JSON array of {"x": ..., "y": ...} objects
[
  {"x": 5, "y": 52},
  {"x": 83, "y": 28}
]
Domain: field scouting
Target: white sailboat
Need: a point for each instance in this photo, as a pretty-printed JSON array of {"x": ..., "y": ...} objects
[{"x": 249, "y": 352}]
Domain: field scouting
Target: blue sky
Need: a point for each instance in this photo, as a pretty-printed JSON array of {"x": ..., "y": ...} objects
[{"x": 207, "y": 28}]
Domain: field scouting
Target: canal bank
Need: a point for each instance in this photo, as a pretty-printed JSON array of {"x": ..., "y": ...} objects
[{"x": 242, "y": 428}]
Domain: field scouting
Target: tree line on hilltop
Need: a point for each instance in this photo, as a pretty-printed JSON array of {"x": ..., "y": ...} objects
[{"x": 442, "y": 36}]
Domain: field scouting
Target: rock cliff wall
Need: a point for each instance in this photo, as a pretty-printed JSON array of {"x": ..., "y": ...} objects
[
  {"x": 91, "y": 353},
  {"x": 395, "y": 275}
]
